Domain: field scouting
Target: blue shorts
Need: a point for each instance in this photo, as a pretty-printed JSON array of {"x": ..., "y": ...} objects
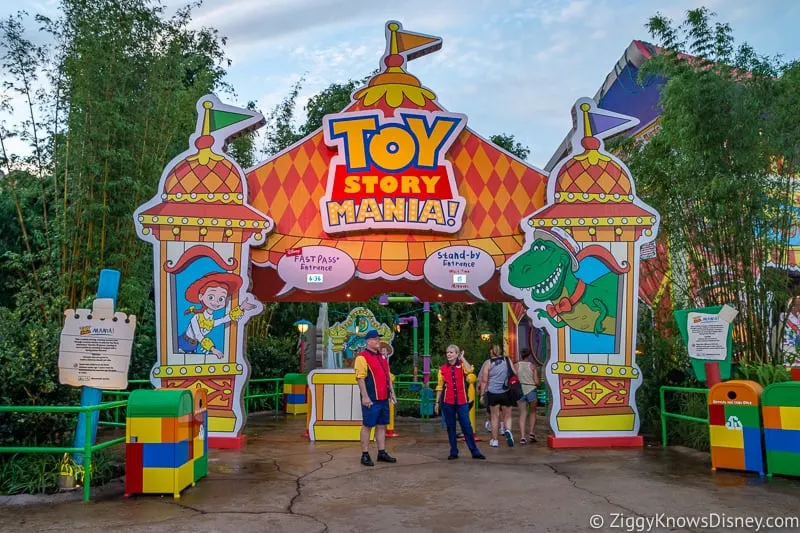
[
  {"x": 530, "y": 397},
  {"x": 377, "y": 415}
]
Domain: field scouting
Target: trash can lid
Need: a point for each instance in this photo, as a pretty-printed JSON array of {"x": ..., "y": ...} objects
[
  {"x": 295, "y": 379},
  {"x": 786, "y": 394},
  {"x": 735, "y": 392},
  {"x": 160, "y": 403}
]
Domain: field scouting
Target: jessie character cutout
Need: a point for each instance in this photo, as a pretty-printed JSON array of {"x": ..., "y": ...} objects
[{"x": 211, "y": 292}]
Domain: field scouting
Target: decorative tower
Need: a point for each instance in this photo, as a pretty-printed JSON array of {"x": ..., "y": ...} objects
[
  {"x": 201, "y": 228},
  {"x": 578, "y": 275}
]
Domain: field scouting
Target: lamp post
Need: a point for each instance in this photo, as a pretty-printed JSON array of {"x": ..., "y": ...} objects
[
  {"x": 415, "y": 324},
  {"x": 302, "y": 327}
]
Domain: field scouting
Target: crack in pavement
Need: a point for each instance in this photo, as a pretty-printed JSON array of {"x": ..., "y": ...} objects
[
  {"x": 299, "y": 488},
  {"x": 574, "y": 483}
]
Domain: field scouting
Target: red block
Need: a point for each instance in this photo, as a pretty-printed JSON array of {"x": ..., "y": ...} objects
[
  {"x": 134, "y": 470},
  {"x": 554, "y": 442},
  {"x": 716, "y": 414}
]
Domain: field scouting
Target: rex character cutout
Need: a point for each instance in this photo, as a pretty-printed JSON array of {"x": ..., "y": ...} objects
[{"x": 548, "y": 269}]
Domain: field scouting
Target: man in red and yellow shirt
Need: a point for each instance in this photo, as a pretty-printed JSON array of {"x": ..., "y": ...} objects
[
  {"x": 375, "y": 383},
  {"x": 453, "y": 382}
]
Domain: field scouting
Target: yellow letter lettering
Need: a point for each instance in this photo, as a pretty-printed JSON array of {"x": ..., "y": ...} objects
[
  {"x": 409, "y": 184},
  {"x": 369, "y": 209},
  {"x": 430, "y": 144},
  {"x": 394, "y": 210},
  {"x": 338, "y": 210},
  {"x": 430, "y": 183},
  {"x": 392, "y": 148},
  {"x": 369, "y": 183},
  {"x": 352, "y": 131},
  {"x": 432, "y": 210},
  {"x": 351, "y": 185}
]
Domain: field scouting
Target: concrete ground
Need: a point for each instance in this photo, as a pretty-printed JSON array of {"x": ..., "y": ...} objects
[{"x": 283, "y": 483}]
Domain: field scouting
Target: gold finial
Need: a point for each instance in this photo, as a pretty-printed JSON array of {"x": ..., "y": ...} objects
[
  {"x": 587, "y": 126},
  {"x": 393, "y": 48},
  {"x": 207, "y": 118}
]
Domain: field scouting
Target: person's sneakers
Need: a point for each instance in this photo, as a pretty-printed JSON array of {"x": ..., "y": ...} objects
[
  {"x": 451, "y": 457},
  {"x": 385, "y": 457},
  {"x": 509, "y": 438},
  {"x": 533, "y": 437},
  {"x": 366, "y": 460},
  {"x": 479, "y": 456},
  {"x": 488, "y": 426},
  {"x": 493, "y": 443}
]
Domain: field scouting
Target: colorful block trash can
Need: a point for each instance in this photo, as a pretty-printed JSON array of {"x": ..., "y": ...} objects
[
  {"x": 734, "y": 415},
  {"x": 295, "y": 387},
  {"x": 781, "y": 413},
  {"x": 165, "y": 440}
]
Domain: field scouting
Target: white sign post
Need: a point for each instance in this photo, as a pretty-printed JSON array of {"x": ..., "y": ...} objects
[{"x": 95, "y": 349}]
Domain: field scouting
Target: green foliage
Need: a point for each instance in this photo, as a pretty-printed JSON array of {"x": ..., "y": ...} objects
[
  {"x": 721, "y": 173},
  {"x": 511, "y": 145},
  {"x": 762, "y": 373},
  {"x": 38, "y": 474}
]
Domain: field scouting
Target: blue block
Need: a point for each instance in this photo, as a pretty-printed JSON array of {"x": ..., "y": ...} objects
[
  {"x": 165, "y": 454},
  {"x": 753, "y": 450},
  {"x": 296, "y": 399},
  {"x": 782, "y": 440}
]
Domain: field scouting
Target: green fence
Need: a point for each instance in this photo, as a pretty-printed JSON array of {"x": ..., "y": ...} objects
[
  {"x": 666, "y": 415},
  {"x": 86, "y": 450},
  {"x": 272, "y": 389}
]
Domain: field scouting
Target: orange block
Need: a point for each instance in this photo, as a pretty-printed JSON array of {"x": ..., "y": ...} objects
[
  {"x": 732, "y": 458},
  {"x": 772, "y": 417},
  {"x": 183, "y": 428},
  {"x": 168, "y": 433}
]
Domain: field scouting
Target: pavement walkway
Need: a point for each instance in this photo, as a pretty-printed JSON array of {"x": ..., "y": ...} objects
[{"x": 283, "y": 483}]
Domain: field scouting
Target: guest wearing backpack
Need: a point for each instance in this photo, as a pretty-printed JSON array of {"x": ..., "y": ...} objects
[
  {"x": 451, "y": 392},
  {"x": 494, "y": 384}
]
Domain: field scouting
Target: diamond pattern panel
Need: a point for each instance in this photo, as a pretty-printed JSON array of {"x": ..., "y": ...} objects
[{"x": 499, "y": 191}]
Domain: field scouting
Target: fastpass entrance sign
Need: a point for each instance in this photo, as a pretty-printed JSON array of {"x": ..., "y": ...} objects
[{"x": 391, "y": 173}]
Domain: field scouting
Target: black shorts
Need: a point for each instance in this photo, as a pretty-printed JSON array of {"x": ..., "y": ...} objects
[{"x": 501, "y": 399}]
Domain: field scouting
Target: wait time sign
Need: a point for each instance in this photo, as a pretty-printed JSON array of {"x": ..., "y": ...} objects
[{"x": 391, "y": 173}]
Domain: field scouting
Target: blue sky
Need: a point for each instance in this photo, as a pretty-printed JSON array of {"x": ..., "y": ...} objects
[{"x": 512, "y": 66}]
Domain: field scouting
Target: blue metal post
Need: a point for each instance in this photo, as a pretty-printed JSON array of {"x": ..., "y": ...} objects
[{"x": 108, "y": 287}]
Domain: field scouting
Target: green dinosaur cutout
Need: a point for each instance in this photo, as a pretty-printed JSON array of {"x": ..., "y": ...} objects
[{"x": 547, "y": 270}]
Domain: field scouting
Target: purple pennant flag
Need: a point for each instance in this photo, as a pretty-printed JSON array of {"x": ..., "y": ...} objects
[{"x": 601, "y": 123}]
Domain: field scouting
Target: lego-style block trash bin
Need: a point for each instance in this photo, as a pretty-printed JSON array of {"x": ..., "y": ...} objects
[
  {"x": 781, "y": 412},
  {"x": 734, "y": 416},
  {"x": 295, "y": 387},
  {"x": 166, "y": 448}
]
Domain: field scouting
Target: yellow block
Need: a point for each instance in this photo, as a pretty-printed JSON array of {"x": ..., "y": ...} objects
[
  {"x": 185, "y": 477},
  {"x": 297, "y": 408},
  {"x": 221, "y": 423},
  {"x": 158, "y": 480},
  {"x": 790, "y": 418},
  {"x": 341, "y": 378},
  {"x": 339, "y": 433},
  {"x": 198, "y": 448},
  {"x": 723, "y": 437},
  {"x": 146, "y": 430},
  {"x": 624, "y": 422},
  {"x": 287, "y": 388}
]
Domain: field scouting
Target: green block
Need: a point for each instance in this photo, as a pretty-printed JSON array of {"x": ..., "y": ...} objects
[
  {"x": 160, "y": 403},
  {"x": 749, "y": 416},
  {"x": 200, "y": 468},
  {"x": 295, "y": 379},
  {"x": 784, "y": 463},
  {"x": 786, "y": 394}
]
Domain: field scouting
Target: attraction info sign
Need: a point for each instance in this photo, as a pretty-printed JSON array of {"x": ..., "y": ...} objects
[
  {"x": 459, "y": 268},
  {"x": 95, "y": 347},
  {"x": 391, "y": 173}
]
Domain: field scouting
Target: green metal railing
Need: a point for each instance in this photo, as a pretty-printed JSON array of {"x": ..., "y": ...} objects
[
  {"x": 665, "y": 414},
  {"x": 86, "y": 450},
  {"x": 276, "y": 394}
]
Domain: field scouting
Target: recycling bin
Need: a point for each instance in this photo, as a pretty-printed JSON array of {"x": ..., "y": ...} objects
[
  {"x": 781, "y": 415},
  {"x": 295, "y": 387},
  {"x": 734, "y": 415},
  {"x": 162, "y": 433}
]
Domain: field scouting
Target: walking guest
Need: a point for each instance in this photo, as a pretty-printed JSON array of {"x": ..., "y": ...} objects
[
  {"x": 451, "y": 389},
  {"x": 375, "y": 383},
  {"x": 494, "y": 384},
  {"x": 488, "y": 423},
  {"x": 528, "y": 375}
]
